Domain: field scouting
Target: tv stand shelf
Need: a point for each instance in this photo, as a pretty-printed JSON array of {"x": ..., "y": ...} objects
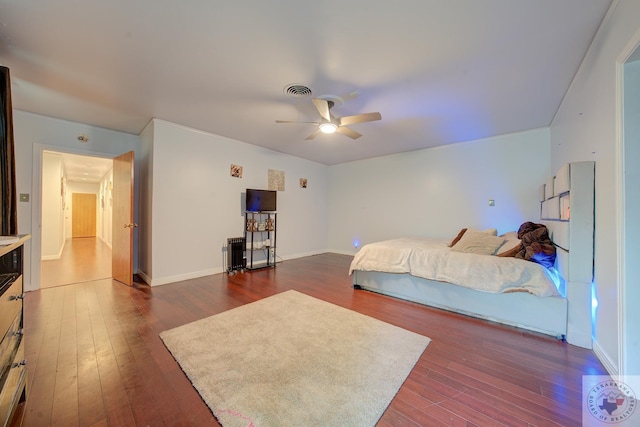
[{"x": 260, "y": 237}]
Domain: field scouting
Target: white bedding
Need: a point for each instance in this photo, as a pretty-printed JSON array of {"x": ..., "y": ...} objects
[{"x": 433, "y": 259}]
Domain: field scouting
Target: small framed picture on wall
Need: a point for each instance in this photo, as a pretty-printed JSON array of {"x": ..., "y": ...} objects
[{"x": 236, "y": 171}]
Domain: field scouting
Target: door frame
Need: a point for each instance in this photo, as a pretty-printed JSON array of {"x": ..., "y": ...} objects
[
  {"x": 627, "y": 295},
  {"x": 36, "y": 204}
]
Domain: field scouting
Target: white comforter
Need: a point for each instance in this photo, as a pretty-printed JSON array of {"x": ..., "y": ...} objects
[{"x": 433, "y": 259}]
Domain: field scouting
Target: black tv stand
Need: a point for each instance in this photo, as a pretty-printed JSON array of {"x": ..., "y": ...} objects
[{"x": 260, "y": 236}]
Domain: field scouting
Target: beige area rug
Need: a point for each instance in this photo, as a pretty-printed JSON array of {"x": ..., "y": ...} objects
[{"x": 294, "y": 360}]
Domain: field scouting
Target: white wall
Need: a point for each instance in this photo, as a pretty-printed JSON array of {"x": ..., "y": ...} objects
[
  {"x": 53, "y": 233},
  {"x": 436, "y": 192},
  {"x": 197, "y": 205},
  {"x": 630, "y": 295},
  {"x": 585, "y": 128},
  {"x": 194, "y": 202},
  {"x": 145, "y": 202},
  {"x": 35, "y": 133},
  {"x": 105, "y": 208}
]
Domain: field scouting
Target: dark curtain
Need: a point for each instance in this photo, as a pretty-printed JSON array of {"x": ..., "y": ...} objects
[{"x": 9, "y": 214}]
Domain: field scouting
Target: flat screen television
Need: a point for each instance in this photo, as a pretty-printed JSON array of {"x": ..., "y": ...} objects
[{"x": 260, "y": 200}]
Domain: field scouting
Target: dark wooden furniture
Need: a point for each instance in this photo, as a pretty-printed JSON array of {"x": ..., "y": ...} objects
[{"x": 13, "y": 372}]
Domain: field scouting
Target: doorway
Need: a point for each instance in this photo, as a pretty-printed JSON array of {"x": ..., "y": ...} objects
[{"x": 76, "y": 218}]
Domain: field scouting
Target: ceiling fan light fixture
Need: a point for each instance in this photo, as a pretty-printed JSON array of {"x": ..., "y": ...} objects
[{"x": 328, "y": 127}]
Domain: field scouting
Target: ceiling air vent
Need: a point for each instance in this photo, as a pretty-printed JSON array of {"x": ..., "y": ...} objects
[{"x": 297, "y": 90}]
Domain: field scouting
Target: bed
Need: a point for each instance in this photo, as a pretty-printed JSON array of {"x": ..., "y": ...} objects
[{"x": 555, "y": 301}]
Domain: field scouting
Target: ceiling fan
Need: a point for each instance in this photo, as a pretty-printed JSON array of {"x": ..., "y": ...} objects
[{"x": 331, "y": 124}]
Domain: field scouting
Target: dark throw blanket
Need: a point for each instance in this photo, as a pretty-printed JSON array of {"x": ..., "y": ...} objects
[{"x": 536, "y": 244}]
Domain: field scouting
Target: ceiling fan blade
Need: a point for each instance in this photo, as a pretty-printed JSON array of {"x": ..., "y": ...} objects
[
  {"x": 351, "y": 95},
  {"x": 360, "y": 118},
  {"x": 348, "y": 132},
  {"x": 323, "y": 108},
  {"x": 290, "y": 121},
  {"x": 313, "y": 135}
]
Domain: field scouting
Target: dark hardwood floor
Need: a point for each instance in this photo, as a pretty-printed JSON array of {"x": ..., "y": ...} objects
[{"x": 94, "y": 357}]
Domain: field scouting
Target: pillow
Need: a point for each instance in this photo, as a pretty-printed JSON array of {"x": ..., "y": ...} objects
[
  {"x": 478, "y": 243},
  {"x": 510, "y": 252},
  {"x": 458, "y": 237},
  {"x": 489, "y": 231},
  {"x": 509, "y": 235},
  {"x": 511, "y": 246}
]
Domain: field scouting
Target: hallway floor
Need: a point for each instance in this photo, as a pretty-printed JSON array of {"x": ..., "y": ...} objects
[{"x": 83, "y": 259}]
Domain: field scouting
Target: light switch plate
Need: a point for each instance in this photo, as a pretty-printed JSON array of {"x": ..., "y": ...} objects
[{"x": 492, "y": 202}]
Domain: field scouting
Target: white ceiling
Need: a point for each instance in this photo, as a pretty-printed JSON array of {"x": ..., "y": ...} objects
[
  {"x": 85, "y": 169},
  {"x": 439, "y": 71}
]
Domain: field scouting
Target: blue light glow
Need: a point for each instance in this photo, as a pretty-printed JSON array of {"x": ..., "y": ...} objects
[
  {"x": 594, "y": 308},
  {"x": 356, "y": 243},
  {"x": 557, "y": 280}
]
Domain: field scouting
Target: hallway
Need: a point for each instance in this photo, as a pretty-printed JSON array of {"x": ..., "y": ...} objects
[{"x": 83, "y": 259}]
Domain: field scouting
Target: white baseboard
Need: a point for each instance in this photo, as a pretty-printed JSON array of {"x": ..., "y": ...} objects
[
  {"x": 105, "y": 242},
  {"x": 28, "y": 287},
  {"x": 606, "y": 361},
  {"x": 341, "y": 252},
  {"x": 144, "y": 276},
  {"x": 302, "y": 255},
  {"x": 179, "y": 277},
  {"x": 196, "y": 274},
  {"x": 53, "y": 257}
]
